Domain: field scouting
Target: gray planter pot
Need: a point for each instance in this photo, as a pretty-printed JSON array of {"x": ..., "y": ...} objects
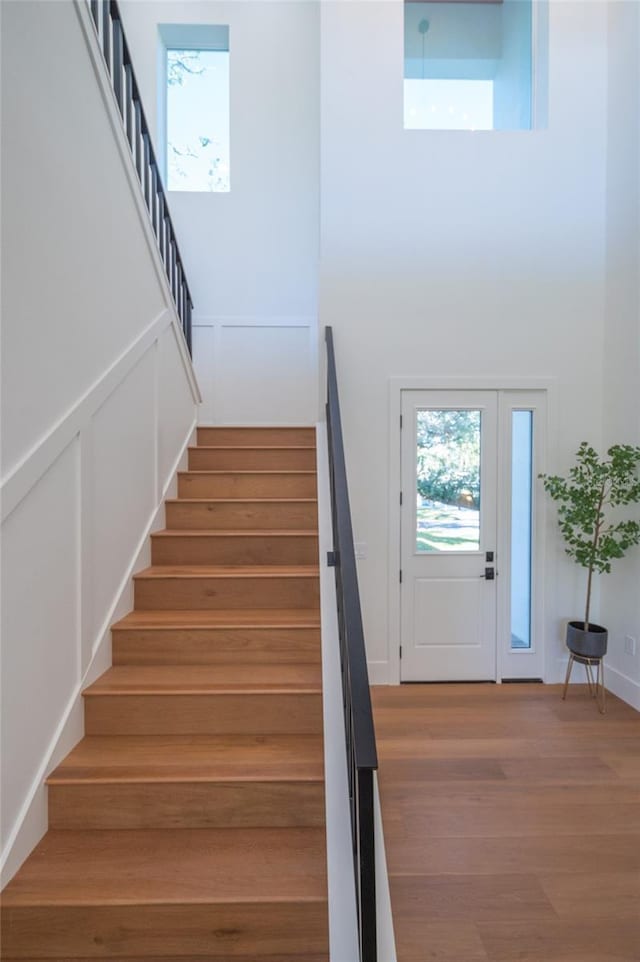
[{"x": 587, "y": 644}]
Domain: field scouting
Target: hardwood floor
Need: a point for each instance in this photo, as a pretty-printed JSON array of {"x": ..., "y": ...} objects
[{"x": 512, "y": 823}]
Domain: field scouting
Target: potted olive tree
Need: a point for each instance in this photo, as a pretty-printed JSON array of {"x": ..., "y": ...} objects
[{"x": 593, "y": 531}]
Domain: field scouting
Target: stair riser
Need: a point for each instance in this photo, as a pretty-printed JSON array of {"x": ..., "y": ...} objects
[
  {"x": 216, "y": 714},
  {"x": 259, "y": 436},
  {"x": 215, "y": 646},
  {"x": 234, "y": 550},
  {"x": 247, "y": 485},
  {"x": 186, "y": 805},
  {"x": 222, "y": 931},
  {"x": 242, "y": 515},
  {"x": 236, "y": 459},
  {"x": 182, "y": 594}
]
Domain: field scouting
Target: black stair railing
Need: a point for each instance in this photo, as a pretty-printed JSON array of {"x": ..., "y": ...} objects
[
  {"x": 362, "y": 758},
  {"x": 113, "y": 43}
]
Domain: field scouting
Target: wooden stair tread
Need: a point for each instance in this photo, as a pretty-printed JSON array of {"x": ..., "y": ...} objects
[
  {"x": 206, "y": 679},
  {"x": 170, "y": 867},
  {"x": 228, "y": 571},
  {"x": 241, "y": 500},
  {"x": 252, "y": 447},
  {"x": 143, "y": 758},
  {"x": 235, "y": 533},
  {"x": 248, "y": 435},
  {"x": 221, "y": 618},
  {"x": 299, "y": 957},
  {"x": 201, "y": 472}
]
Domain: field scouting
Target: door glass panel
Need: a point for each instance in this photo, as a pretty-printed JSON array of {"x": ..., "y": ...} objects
[
  {"x": 521, "y": 471},
  {"x": 448, "y": 480}
]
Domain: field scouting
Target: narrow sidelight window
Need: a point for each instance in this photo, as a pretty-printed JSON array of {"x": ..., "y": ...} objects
[{"x": 521, "y": 513}]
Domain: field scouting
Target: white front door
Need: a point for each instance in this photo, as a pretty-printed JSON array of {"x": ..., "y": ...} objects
[
  {"x": 471, "y": 535},
  {"x": 449, "y": 535}
]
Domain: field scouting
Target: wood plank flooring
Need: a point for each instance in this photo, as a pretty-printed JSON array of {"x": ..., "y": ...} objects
[{"x": 512, "y": 823}]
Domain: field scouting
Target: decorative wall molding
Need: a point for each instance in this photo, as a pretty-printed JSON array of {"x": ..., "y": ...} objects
[
  {"x": 28, "y": 825},
  {"x": 231, "y": 395},
  {"x": 36, "y": 463}
]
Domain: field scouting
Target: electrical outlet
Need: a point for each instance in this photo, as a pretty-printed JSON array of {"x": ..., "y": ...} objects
[
  {"x": 360, "y": 549},
  {"x": 629, "y": 645}
]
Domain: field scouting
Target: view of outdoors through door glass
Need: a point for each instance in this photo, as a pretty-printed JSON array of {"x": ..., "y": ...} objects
[{"x": 448, "y": 480}]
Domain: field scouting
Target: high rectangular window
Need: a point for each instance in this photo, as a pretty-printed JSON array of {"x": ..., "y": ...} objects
[
  {"x": 468, "y": 65},
  {"x": 196, "y": 100}
]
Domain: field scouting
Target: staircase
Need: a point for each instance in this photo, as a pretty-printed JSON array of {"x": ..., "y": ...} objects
[{"x": 188, "y": 824}]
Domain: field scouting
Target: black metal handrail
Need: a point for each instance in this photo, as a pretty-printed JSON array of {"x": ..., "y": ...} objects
[
  {"x": 113, "y": 43},
  {"x": 362, "y": 759}
]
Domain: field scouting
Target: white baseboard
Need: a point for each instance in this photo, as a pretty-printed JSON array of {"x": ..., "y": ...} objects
[
  {"x": 378, "y": 672},
  {"x": 615, "y": 681},
  {"x": 622, "y": 686}
]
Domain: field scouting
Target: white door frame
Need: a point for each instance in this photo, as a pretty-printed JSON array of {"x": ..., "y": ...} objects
[{"x": 417, "y": 383}]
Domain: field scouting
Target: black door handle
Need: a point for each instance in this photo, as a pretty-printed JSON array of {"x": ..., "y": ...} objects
[{"x": 489, "y": 574}]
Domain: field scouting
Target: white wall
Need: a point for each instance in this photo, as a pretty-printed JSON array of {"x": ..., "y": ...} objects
[
  {"x": 462, "y": 255},
  {"x": 620, "y": 596},
  {"x": 98, "y": 394},
  {"x": 251, "y": 255}
]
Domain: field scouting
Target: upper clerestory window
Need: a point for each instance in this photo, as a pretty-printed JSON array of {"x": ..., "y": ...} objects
[
  {"x": 468, "y": 65},
  {"x": 194, "y": 107}
]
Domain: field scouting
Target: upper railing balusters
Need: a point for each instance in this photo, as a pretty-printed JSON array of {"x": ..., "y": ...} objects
[
  {"x": 113, "y": 43},
  {"x": 118, "y": 63}
]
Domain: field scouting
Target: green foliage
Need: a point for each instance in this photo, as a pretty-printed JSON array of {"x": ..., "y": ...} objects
[
  {"x": 592, "y": 487},
  {"x": 448, "y": 444}
]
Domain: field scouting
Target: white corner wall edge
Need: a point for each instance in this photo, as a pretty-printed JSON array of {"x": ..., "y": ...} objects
[
  {"x": 27, "y": 829},
  {"x": 343, "y": 930}
]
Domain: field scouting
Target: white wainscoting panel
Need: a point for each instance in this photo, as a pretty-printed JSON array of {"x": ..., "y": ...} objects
[
  {"x": 40, "y": 623},
  {"x": 175, "y": 404},
  {"x": 123, "y": 439},
  {"x": 257, "y": 370},
  {"x": 203, "y": 336},
  {"x": 94, "y": 360}
]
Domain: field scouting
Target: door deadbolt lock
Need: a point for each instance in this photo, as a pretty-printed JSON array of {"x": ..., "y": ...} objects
[{"x": 488, "y": 556}]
